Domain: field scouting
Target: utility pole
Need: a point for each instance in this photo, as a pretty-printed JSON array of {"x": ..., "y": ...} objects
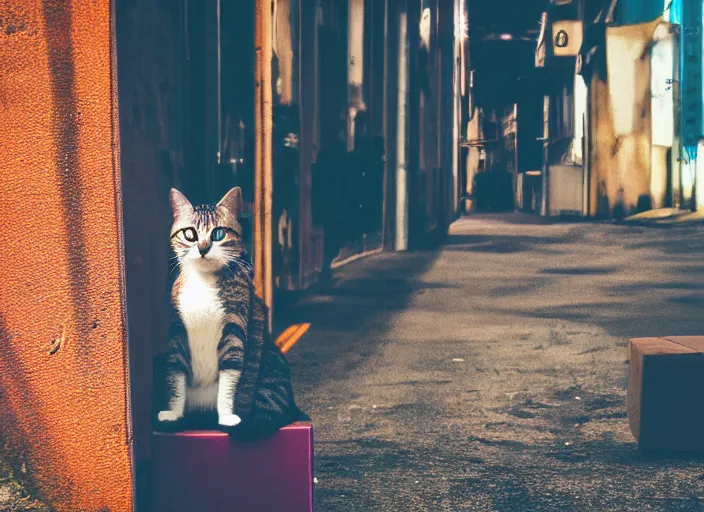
[{"x": 263, "y": 177}]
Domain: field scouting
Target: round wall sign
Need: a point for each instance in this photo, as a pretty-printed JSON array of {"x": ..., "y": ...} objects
[{"x": 561, "y": 39}]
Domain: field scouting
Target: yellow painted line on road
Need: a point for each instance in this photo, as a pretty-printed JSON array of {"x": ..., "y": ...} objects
[
  {"x": 284, "y": 336},
  {"x": 290, "y": 336}
]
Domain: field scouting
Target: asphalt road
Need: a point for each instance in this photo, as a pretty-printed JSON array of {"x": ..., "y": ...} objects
[{"x": 490, "y": 375}]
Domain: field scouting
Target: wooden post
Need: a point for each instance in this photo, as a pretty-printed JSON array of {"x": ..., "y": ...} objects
[
  {"x": 263, "y": 179},
  {"x": 545, "y": 185}
]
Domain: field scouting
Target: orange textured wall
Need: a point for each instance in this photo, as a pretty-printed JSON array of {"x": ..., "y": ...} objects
[{"x": 63, "y": 384}]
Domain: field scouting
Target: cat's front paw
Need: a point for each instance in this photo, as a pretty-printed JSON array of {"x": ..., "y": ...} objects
[
  {"x": 229, "y": 420},
  {"x": 165, "y": 416}
]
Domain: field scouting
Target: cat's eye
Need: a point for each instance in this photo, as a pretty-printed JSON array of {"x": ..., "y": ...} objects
[
  {"x": 190, "y": 235},
  {"x": 217, "y": 234}
]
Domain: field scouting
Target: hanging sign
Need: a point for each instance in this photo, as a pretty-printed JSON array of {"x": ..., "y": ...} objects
[
  {"x": 561, "y": 39},
  {"x": 567, "y": 37},
  {"x": 691, "y": 62}
]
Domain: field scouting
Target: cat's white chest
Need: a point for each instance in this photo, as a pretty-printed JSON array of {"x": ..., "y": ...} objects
[{"x": 203, "y": 314}]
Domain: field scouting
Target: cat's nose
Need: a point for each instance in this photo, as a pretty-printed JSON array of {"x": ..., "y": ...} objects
[{"x": 203, "y": 249}]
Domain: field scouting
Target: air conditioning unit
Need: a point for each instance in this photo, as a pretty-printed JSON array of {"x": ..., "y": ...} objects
[{"x": 567, "y": 37}]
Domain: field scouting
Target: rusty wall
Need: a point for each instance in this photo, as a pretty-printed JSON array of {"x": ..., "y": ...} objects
[
  {"x": 63, "y": 385},
  {"x": 621, "y": 165}
]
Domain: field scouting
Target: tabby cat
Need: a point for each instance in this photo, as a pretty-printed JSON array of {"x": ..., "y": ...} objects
[{"x": 221, "y": 364}]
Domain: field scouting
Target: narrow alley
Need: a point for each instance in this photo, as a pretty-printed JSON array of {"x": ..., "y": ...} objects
[
  {"x": 491, "y": 375},
  {"x": 449, "y": 216}
]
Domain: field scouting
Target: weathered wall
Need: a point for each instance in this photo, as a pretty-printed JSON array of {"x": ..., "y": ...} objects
[
  {"x": 662, "y": 75},
  {"x": 622, "y": 157},
  {"x": 63, "y": 385}
]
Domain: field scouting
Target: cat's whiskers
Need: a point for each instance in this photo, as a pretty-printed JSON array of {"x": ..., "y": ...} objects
[{"x": 174, "y": 268}]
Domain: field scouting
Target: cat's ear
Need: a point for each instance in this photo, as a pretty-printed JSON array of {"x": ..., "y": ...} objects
[
  {"x": 232, "y": 201},
  {"x": 179, "y": 204}
]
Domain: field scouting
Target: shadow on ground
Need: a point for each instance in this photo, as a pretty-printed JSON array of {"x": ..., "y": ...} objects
[
  {"x": 490, "y": 375},
  {"x": 501, "y": 244},
  {"x": 346, "y": 312}
]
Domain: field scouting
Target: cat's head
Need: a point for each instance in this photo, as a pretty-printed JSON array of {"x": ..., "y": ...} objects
[{"x": 206, "y": 238}]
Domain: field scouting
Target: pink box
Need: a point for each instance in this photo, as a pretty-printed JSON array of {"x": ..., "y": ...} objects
[{"x": 206, "y": 471}]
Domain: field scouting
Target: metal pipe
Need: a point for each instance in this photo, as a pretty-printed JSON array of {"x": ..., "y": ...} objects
[{"x": 401, "y": 124}]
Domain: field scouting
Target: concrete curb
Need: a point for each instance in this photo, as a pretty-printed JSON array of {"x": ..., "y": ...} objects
[{"x": 666, "y": 217}]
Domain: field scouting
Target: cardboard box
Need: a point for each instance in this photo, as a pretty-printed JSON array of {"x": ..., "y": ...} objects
[
  {"x": 665, "y": 397},
  {"x": 199, "y": 471}
]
